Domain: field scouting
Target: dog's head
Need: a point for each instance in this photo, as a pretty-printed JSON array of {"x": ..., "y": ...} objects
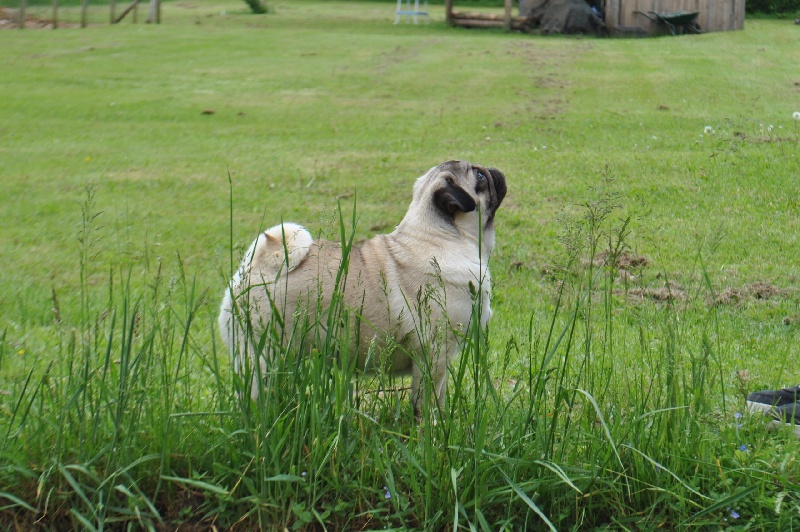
[
  {"x": 460, "y": 188},
  {"x": 457, "y": 193}
]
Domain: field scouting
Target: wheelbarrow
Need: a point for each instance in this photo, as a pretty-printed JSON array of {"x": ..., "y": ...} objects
[{"x": 678, "y": 23}]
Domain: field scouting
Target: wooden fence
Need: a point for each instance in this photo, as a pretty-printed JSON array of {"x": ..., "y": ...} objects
[
  {"x": 20, "y": 17},
  {"x": 714, "y": 15}
]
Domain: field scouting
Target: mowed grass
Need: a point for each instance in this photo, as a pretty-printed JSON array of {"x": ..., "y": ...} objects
[{"x": 139, "y": 160}]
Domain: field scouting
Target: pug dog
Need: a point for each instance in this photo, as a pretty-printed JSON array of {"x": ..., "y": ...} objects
[{"x": 412, "y": 289}]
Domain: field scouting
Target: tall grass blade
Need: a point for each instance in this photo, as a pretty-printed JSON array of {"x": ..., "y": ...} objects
[
  {"x": 527, "y": 500},
  {"x": 722, "y": 504},
  {"x": 86, "y": 523},
  {"x": 199, "y": 484},
  {"x": 17, "y": 502},
  {"x": 660, "y": 467}
]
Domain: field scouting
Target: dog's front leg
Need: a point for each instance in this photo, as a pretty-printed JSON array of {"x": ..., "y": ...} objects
[{"x": 438, "y": 383}]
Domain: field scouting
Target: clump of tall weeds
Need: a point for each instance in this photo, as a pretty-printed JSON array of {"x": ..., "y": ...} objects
[{"x": 602, "y": 413}]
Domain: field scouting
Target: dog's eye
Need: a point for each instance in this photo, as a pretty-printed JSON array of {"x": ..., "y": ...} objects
[{"x": 481, "y": 177}]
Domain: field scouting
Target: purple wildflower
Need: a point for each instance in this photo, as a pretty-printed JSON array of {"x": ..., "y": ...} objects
[
  {"x": 734, "y": 514},
  {"x": 743, "y": 447}
]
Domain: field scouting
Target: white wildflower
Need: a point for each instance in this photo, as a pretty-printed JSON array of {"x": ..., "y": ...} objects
[
  {"x": 708, "y": 130},
  {"x": 796, "y": 115}
]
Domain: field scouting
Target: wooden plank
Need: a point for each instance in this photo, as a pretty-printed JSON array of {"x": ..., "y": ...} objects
[
  {"x": 492, "y": 17},
  {"x": 711, "y": 21},
  {"x": 706, "y": 18},
  {"x": 474, "y": 15},
  {"x": 126, "y": 11},
  {"x": 739, "y": 14},
  {"x": 612, "y": 14},
  {"x": 476, "y": 23},
  {"x": 517, "y": 23},
  {"x": 730, "y": 14},
  {"x": 634, "y": 18}
]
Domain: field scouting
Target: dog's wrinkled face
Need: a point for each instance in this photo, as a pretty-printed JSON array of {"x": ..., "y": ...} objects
[{"x": 461, "y": 187}]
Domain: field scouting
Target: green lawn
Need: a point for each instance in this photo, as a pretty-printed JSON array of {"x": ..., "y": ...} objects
[{"x": 321, "y": 103}]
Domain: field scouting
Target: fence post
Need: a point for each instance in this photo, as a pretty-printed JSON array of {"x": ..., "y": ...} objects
[
  {"x": 21, "y": 15},
  {"x": 154, "y": 13},
  {"x": 55, "y": 14},
  {"x": 84, "y": 8},
  {"x": 508, "y": 15}
]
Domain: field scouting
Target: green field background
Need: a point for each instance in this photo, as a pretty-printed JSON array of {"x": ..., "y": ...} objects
[{"x": 133, "y": 147}]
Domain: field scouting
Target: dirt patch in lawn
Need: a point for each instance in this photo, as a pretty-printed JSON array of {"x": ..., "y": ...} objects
[
  {"x": 758, "y": 290},
  {"x": 9, "y": 20},
  {"x": 623, "y": 261},
  {"x": 632, "y": 286},
  {"x": 670, "y": 292}
]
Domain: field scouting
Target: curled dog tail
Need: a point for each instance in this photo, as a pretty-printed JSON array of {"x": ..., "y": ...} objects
[{"x": 281, "y": 248}]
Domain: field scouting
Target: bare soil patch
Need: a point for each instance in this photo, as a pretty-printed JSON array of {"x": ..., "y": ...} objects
[
  {"x": 757, "y": 290},
  {"x": 673, "y": 292},
  {"x": 9, "y": 20},
  {"x": 623, "y": 261},
  {"x": 630, "y": 267},
  {"x": 670, "y": 292}
]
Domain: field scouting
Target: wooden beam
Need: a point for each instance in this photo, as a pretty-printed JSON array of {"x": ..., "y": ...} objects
[
  {"x": 461, "y": 15},
  {"x": 517, "y": 23},
  {"x": 464, "y": 15},
  {"x": 477, "y": 23},
  {"x": 126, "y": 11}
]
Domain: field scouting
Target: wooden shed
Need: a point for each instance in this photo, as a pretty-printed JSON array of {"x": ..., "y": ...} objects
[{"x": 637, "y": 16}]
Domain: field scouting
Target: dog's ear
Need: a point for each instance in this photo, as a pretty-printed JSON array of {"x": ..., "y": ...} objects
[
  {"x": 497, "y": 174},
  {"x": 452, "y": 199},
  {"x": 499, "y": 181}
]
